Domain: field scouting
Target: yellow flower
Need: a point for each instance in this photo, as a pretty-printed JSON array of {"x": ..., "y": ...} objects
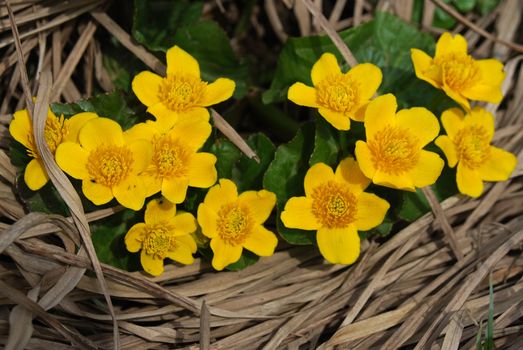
[
  {"x": 107, "y": 163},
  {"x": 467, "y": 144},
  {"x": 393, "y": 154},
  {"x": 458, "y": 74},
  {"x": 338, "y": 96},
  {"x": 56, "y": 131},
  {"x": 336, "y": 206},
  {"x": 176, "y": 163},
  {"x": 234, "y": 222},
  {"x": 181, "y": 94},
  {"x": 163, "y": 235}
]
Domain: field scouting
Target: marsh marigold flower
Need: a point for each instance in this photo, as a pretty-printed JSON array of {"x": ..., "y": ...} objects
[
  {"x": 338, "y": 96},
  {"x": 467, "y": 144},
  {"x": 181, "y": 94},
  {"x": 234, "y": 222},
  {"x": 393, "y": 154},
  {"x": 107, "y": 163},
  {"x": 56, "y": 131},
  {"x": 458, "y": 74},
  {"x": 336, "y": 206},
  {"x": 176, "y": 163},
  {"x": 164, "y": 234}
]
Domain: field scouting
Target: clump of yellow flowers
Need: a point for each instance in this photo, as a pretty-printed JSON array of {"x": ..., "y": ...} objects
[{"x": 162, "y": 158}]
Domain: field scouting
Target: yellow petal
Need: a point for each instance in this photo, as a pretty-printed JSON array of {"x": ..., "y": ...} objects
[
  {"x": 424, "y": 68},
  {"x": 192, "y": 133},
  {"x": 224, "y": 254},
  {"x": 260, "y": 204},
  {"x": 400, "y": 182},
  {"x": 35, "y": 175},
  {"x": 359, "y": 113},
  {"x": 340, "y": 245},
  {"x": 325, "y": 66},
  {"x": 175, "y": 188},
  {"x": 499, "y": 165},
  {"x": 202, "y": 171},
  {"x": 207, "y": 219},
  {"x": 338, "y": 120},
  {"x": 371, "y": 211},
  {"x": 134, "y": 237},
  {"x": 187, "y": 241},
  {"x": 165, "y": 118},
  {"x": 350, "y": 173},
  {"x": 298, "y": 214},
  {"x": 152, "y": 183},
  {"x": 97, "y": 193},
  {"x": 302, "y": 95},
  {"x": 219, "y": 91},
  {"x": 483, "y": 92},
  {"x": 422, "y": 124},
  {"x": 179, "y": 62},
  {"x": 75, "y": 123},
  {"x": 72, "y": 159},
  {"x": 222, "y": 193},
  {"x": 196, "y": 114},
  {"x": 364, "y": 157},
  {"x": 142, "y": 153},
  {"x": 152, "y": 264},
  {"x": 21, "y": 128},
  {"x": 427, "y": 170},
  {"x": 146, "y": 86},
  {"x": 184, "y": 224},
  {"x": 448, "y": 148},
  {"x": 261, "y": 241},
  {"x": 100, "y": 131},
  {"x": 469, "y": 182},
  {"x": 159, "y": 210},
  {"x": 181, "y": 254},
  {"x": 453, "y": 121},
  {"x": 141, "y": 131},
  {"x": 448, "y": 44},
  {"x": 368, "y": 77},
  {"x": 455, "y": 95},
  {"x": 130, "y": 193},
  {"x": 489, "y": 88},
  {"x": 381, "y": 112},
  {"x": 481, "y": 117},
  {"x": 317, "y": 175}
]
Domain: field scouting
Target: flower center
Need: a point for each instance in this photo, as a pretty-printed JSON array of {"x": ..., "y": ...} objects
[
  {"x": 334, "y": 205},
  {"x": 159, "y": 240},
  {"x": 459, "y": 71},
  {"x": 179, "y": 92},
  {"x": 234, "y": 224},
  {"x": 108, "y": 165},
  {"x": 54, "y": 131},
  {"x": 338, "y": 92},
  {"x": 394, "y": 150},
  {"x": 170, "y": 157},
  {"x": 473, "y": 146}
]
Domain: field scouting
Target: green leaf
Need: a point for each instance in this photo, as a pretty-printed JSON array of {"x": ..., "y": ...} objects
[
  {"x": 247, "y": 173},
  {"x": 487, "y": 6},
  {"x": 45, "y": 200},
  {"x": 464, "y": 6},
  {"x": 108, "y": 239},
  {"x": 227, "y": 155},
  {"x": 110, "y": 105},
  {"x": 285, "y": 177},
  {"x": 385, "y": 41},
  {"x": 443, "y": 20},
  {"x": 326, "y": 145},
  {"x": 155, "y": 21},
  {"x": 247, "y": 258}
]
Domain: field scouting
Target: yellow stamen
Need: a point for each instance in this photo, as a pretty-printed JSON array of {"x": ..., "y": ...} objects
[
  {"x": 334, "y": 205},
  {"x": 394, "y": 150},
  {"x": 234, "y": 224},
  {"x": 179, "y": 92},
  {"x": 338, "y": 92},
  {"x": 54, "y": 132},
  {"x": 170, "y": 157},
  {"x": 109, "y": 165},
  {"x": 460, "y": 71},
  {"x": 473, "y": 146},
  {"x": 158, "y": 240}
]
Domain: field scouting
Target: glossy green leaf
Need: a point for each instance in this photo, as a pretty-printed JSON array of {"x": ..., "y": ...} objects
[
  {"x": 247, "y": 258},
  {"x": 326, "y": 144},
  {"x": 227, "y": 155}
]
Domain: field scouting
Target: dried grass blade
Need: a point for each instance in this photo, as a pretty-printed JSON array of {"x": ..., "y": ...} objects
[
  {"x": 205, "y": 327},
  {"x": 66, "y": 189},
  {"x": 21, "y": 324}
]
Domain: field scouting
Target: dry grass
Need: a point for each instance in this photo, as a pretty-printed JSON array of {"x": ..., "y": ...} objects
[{"x": 410, "y": 291}]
